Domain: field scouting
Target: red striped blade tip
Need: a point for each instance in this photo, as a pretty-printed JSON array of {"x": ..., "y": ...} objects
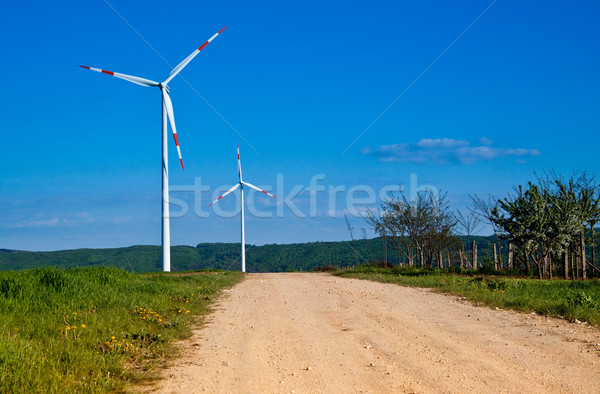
[
  {"x": 216, "y": 200},
  {"x": 86, "y": 67},
  {"x": 222, "y": 30}
]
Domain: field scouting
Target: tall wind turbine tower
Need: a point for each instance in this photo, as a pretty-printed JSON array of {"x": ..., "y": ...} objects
[{"x": 167, "y": 112}]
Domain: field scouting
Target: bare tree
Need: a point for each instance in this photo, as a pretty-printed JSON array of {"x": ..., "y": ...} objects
[
  {"x": 484, "y": 209},
  {"x": 468, "y": 223},
  {"x": 420, "y": 227},
  {"x": 388, "y": 228},
  {"x": 439, "y": 232},
  {"x": 377, "y": 224}
]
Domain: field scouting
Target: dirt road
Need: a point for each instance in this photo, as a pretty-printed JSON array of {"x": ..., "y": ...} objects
[{"x": 311, "y": 333}]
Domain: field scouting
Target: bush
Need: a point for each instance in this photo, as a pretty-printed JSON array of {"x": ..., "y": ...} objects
[
  {"x": 325, "y": 268},
  {"x": 581, "y": 299}
]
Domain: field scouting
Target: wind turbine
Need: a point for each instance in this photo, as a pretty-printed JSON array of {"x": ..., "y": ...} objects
[
  {"x": 167, "y": 111},
  {"x": 241, "y": 185}
]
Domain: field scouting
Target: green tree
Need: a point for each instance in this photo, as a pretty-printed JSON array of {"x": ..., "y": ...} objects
[{"x": 547, "y": 219}]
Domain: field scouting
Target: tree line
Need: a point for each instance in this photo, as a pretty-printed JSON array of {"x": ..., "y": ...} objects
[{"x": 546, "y": 227}]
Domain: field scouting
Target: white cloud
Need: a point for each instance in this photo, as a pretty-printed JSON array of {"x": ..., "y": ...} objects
[
  {"x": 38, "y": 223},
  {"x": 441, "y": 143},
  {"x": 70, "y": 220},
  {"x": 447, "y": 150}
]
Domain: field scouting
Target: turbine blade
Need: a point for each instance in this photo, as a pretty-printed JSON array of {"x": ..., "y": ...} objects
[
  {"x": 130, "y": 78},
  {"x": 239, "y": 163},
  {"x": 226, "y": 193},
  {"x": 260, "y": 190},
  {"x": 188, "y": 59},
  {"x": 171, "y": 116}
]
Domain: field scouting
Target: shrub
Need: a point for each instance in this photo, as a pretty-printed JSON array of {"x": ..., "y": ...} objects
[{"x": 325, "y": 268}]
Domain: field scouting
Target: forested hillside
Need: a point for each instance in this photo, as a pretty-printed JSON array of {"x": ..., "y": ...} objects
[{"x": 265, "y": 258}]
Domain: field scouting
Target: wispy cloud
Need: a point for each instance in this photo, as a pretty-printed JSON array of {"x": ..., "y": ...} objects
[
  {"x": 70, "y": 220},
  {"x": 447, "y": 150},
  {"x": 38, "y": 223},
  {"x": 485, "y": 141}
]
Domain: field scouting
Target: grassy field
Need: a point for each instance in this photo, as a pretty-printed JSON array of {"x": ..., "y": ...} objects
[
  {"x": 570, "y": 299},
  {"x": 95, "y": 329}
]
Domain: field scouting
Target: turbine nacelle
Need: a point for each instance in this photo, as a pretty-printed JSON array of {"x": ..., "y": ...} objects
[{"x": 164, "y": 87}]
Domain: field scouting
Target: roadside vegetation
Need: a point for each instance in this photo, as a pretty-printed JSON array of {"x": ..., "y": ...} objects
[
  {"x": 546, "y": 227},
  {"x": 544, "y": 230},
  {"x": 571, "y": 299},
  {"x": 95, "y": 329}
]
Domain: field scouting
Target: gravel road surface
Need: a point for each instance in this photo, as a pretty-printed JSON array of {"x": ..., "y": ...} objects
[{"x": 317, "y": 333}]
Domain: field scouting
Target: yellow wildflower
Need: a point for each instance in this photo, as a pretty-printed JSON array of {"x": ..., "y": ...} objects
[{"x": 83, "y": 326}]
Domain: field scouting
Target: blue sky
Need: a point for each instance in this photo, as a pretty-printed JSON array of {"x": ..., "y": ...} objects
[{"x": 295, "y": 84}]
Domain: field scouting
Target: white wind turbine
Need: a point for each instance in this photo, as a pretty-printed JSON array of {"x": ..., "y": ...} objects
[
  {"x": 241, "y": 185},
  {"x": 167, "y": 111}
]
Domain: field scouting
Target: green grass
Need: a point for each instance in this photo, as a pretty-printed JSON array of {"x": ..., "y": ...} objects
[
  {"x": 95, "y": 329},
  {"x": 569, "y": 299}
]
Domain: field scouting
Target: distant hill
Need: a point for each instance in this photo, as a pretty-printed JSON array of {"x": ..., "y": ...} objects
[{"x": 265, "y": 258}]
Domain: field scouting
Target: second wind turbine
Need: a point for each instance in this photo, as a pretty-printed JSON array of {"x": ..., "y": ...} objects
[{"x": 241, "y": 185}]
